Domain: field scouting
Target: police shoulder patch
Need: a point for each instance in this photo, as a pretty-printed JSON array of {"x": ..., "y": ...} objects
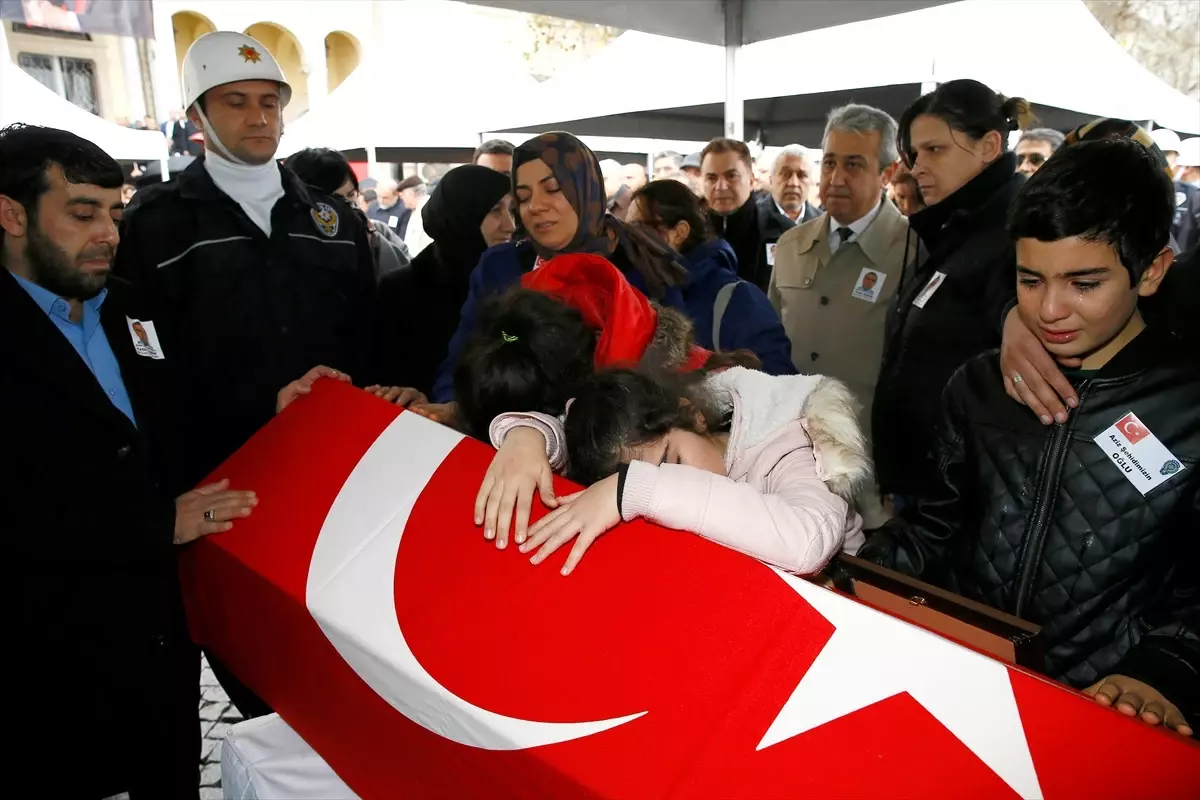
[{"x": 326, "y": 219}]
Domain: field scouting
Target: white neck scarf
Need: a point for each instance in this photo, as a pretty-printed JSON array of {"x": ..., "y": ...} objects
[{"x": 256, "y": 188}]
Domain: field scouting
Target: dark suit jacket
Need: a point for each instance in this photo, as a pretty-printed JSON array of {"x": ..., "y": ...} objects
[
  {"x": 177, "y": 135},
  {"x": 96, "y": 641}
]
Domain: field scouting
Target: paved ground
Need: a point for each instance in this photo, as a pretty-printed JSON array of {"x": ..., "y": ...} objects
[{"x": 216, "y": 715}]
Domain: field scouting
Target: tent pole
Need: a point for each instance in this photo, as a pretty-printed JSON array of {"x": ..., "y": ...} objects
[
  {"x": 166, "y": 173},
  {"x": 734, "y": 110},
  {"x": 372, "y": 161}
]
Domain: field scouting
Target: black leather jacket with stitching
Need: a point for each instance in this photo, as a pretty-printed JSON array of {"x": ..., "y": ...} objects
[{"x": 1042, "y": 523}]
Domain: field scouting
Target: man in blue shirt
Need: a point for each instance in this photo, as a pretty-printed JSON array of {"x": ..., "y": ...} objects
[
  {"x": 104, "y": 674},
  {"x": 87, "y": 337}
]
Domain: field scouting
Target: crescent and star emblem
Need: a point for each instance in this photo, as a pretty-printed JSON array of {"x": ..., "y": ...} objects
[{"x": 351, "y": 587}]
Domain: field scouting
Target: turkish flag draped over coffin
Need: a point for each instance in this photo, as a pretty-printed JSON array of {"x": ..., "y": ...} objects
[{"x": 364, "y": 605}]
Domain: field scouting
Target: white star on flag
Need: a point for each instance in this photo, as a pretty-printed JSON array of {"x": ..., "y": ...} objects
[{"x": 872, "y": 656}]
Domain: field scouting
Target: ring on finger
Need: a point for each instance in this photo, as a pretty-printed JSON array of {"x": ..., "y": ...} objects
[
  {"x": 210, "y": 516},
  {"x": 1016, "y": 378}
]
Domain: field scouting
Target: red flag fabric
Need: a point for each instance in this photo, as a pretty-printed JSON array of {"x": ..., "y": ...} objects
[
  {"x": 419, "y": 661},
  {"x": 595, "y": 288}
]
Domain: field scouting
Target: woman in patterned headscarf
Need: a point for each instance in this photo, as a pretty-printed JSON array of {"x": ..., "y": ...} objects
[
  {"x": 560, "y": 199},
  {"x": 560, "y": 194}
]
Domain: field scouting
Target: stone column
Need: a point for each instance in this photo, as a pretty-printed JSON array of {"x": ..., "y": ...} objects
[
  {"x": 135, "y": 102},
  {"x": 316, "y": 69},
  {"x": 168, "y": 94}
]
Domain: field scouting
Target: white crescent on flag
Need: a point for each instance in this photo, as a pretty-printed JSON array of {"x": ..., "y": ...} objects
[
  {"x": 351, "y": 586},
  {"x": 1131, "y": 427}
]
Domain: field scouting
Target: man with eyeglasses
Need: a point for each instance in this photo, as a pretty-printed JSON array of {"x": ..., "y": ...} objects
[{"x": 1035, "y": 147}]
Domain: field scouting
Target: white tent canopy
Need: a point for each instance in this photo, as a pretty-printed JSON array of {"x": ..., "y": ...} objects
[
  {"x": 24, "y": 99},
  {"x": 730, "y": 23},
  {"x": 1066, "y": 60},
  {"x": 706, "y": 20},
  {"x": 791, "y": 85},
  {"x": 635, "y": 72}
]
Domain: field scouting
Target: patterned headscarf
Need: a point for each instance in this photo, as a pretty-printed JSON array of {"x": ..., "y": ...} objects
[
  {"x": 1106, "y": 128},
  {"x": 578, "y": 174},
  {"x": 577, "y": 171}
]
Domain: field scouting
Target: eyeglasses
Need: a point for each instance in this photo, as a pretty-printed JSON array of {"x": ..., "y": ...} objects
[{"x": 1036, "y": 159}]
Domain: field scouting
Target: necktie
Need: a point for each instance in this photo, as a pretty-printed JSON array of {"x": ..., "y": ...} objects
[{"x": 844, "y": 235}]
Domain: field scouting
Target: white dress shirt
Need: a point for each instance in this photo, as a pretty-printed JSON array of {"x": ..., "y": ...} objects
[{"x": 857, "y": 227}]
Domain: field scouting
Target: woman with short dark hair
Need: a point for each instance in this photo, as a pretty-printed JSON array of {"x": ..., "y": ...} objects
[
  {"x": 962, "y": 274},
  {"x": 727, "y": 313}
]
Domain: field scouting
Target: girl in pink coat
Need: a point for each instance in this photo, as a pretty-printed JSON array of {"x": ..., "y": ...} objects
[{"x": 768, "y": 466}]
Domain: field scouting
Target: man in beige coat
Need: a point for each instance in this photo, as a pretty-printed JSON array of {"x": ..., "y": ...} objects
[{"x": 836, "y": 276}]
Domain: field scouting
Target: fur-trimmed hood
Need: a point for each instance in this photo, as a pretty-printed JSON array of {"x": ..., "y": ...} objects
[
  {"x": 762, "y": 405},
  {"x": 672, "y": 344}
]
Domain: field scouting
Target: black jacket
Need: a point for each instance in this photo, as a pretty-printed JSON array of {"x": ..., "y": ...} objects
[
  {"x": 1186, "y": 224},
  {"x": 1042, "y": 523},
  {"x": 177, "y": 133},
  {"x": 418, "y": 313},
  {"x": 1174, "y": 304},
  {"x": 400, "y": 213},
  {"x": 103, "y": 676},
  {"x": 194, "y": 148},
  {"x": 963, "y": 238},
  {"x": 750, "y": 229},
  {"x": 241, "y": 314}
]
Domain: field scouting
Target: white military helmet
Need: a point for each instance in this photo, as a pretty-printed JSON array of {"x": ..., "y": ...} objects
[
  {"x": 226, "y": 57},
  {"x": 1189, "y": 152},
  {"x": 1166, "y": 139}
]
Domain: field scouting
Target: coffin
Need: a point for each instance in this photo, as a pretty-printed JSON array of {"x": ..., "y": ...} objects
[{"x": 418, "y": 660}]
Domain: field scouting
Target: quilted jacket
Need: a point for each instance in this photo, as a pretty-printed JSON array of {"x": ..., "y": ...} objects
[{"x": 1042, "y": 523}]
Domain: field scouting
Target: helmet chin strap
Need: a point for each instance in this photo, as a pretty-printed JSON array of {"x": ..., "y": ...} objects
[{"x": 210, "y": 133}]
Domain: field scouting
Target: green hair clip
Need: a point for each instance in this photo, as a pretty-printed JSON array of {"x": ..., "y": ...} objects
[{"x": 508, "y": 337}]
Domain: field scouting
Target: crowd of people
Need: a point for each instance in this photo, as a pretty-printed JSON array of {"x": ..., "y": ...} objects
[{"x": 966, "y": 363}]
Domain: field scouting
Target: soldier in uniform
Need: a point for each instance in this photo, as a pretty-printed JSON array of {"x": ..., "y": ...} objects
[{"x": 253, "y": 277}]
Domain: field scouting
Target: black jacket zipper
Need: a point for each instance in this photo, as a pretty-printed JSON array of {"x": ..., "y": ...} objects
[{"x": 1035, "y": 536}]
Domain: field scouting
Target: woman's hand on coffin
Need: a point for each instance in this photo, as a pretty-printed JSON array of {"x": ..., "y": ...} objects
[
  {"x": 402, "y": 396},
  {"x": 303, "y": 385},
  {"x": 519, "y": 470},
  {"x": 443, "y": 413},
  {"x": 584, "y": 516}
]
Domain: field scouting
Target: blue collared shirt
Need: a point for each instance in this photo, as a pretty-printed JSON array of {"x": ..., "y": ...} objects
[{"x": 88, "y": 339}]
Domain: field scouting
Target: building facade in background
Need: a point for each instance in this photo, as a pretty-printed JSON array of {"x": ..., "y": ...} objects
[
  {"x": 317, "y": 44},
  {"x": 126, "y": 72},
  {"x": 102, "y": 73},
  {"x": 122, "y": 59}
]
